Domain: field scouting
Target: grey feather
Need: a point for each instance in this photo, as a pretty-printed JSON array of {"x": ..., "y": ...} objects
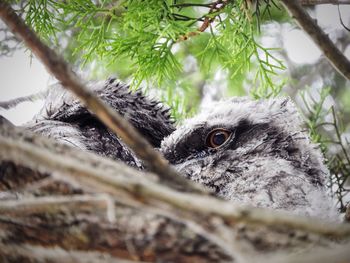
[
  {"x": 65, "y": 119},
  {"x": 268, "y": 161}
]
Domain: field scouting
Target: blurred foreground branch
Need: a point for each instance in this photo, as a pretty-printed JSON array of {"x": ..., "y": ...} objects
[
  {"x": 223, "y": 228},
  {"x": 324, "y": 2},
  {"x": 54, "y": 210},
  {"x": 309, "y": 25},
  {"x": 61, "y": 70}
]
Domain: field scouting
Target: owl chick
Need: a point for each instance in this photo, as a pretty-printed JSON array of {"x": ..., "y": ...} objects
[
  {"x": 255, "y": 153},
  {"x": 66, "y": 120}
]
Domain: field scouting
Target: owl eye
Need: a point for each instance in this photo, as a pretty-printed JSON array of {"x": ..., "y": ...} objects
[{"x": 218, "y": 137}]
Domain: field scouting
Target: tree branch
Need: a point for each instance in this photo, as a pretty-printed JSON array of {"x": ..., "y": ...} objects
[
  {"x": 208, "y": 18},
  {"x": 116, "y": 179},
  {"x": 334, "y": 55},
  {"x": 101, "y": 206},
  {"x": 334, "y": 253},
  {"x": 61, "y": 70},
  {"x": 27, "y": 253},
  {"x": 323, "y": 2},
  {"x": 224, "y": 228}
]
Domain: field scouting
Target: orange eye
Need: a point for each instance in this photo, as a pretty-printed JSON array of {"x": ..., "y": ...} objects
[{"x": 218, "y": 137}]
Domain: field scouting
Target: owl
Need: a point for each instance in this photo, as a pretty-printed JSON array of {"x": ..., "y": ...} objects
[
  {"x": 66, "y": 120},
  {"x": 253, "y": 152}
]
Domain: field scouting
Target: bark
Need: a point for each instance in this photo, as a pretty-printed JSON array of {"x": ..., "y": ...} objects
[
  {"x": 117, "y": 124},
  {"x": 321, "y": 39},
  {"x": 61, "y": 204},
  {"x": 91, "y": 224},
  {"x": 76, "y": 204}
]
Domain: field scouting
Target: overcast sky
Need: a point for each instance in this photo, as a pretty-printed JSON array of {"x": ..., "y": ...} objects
[{"x": 20, "y": 75}]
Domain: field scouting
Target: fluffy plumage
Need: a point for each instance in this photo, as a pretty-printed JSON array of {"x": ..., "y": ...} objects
[
  {"x": 63, "y": 118},
  {"x": 268, "y": 161}
]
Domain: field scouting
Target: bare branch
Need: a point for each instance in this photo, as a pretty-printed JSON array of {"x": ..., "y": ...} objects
[
  {"x": 106, "y": 176},
  {"x": 101, "y": 205},
  {"x": 323, "y": 2},
  {"x": 56, "y": 226},
  {"x": 14, "y": 102},
  {"x": 56, "y": 255},
  {"x": 334, "y": 55},
  {"x": 214, "y": 219},
  {"x": 334, "y": 253},
  {"x": 61, "y": 70}
]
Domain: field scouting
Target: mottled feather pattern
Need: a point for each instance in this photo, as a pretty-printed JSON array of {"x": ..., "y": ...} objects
[
  {"x": 268, "y": 162},
  {"x": 65, "y": 119}
]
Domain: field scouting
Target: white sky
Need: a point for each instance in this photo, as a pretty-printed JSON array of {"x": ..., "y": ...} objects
[
  {"x": 300, "y": 47},
  {"x": 20, "y": 76}
]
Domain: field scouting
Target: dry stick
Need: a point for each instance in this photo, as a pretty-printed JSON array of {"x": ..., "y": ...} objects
[
  {"x": 14, "y": 102},
  {"x": 334, "y": 55},
  {"x": 324, "y": 2},
  {"x": 102, "y": 207},
  {"x": 42, "y": 154},
  {"x": 60, "y": 69},
  {"x": 19, "y": 253},
  {"x": 101, "y": 204},
  {"x": 142, "y": 186},
  {"x": 335, "y": 253}
]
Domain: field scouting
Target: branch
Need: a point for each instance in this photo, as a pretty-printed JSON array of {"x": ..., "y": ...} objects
[
  {"x": 52, "y": 228},
  {"x": 14, "y": 102},
  {"x": 334, "y": 55},
  {"x": 28, "y": 253},
  {"x": 61, "y": 70},
  {"x": 101, "y": 206},
  {"x": 209, "y": 5},
  {"x": 323, "y": 2},
  {"x": 116, "y": 179},
  {"x": 334, "y": 253},
  {"x": 215, "y": 7}
]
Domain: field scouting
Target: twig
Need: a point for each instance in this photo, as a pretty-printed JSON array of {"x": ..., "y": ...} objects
[
  {"x": 14, "y": 102},
  {"x": 26, "y": 253},
  {"x": 101, "y": 205},
  {"x": 323, "y": 2},
  {"x": 191, "y": 5},
  {"x": 341, "y": 20},
  {"x": 103, "y": 175},
  {"x": 61, "y": 70},
  {"x": 208, "y": 19},
  {"x": 334, "y": 55},
  {"x": 335, "y": 253}
]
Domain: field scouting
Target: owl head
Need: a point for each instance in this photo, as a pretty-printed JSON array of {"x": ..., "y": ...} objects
[
  {"x": 252, "y": 152},
  {"x": 66, "y": 120}
]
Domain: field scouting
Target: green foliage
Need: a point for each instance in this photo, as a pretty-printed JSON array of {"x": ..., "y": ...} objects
[
  {"x": 234, "y": 46},
  {"x": 41, "y": 16},
  {"x": 175, "y": 48},
  {"x": 326, "y": 129},
  {"x": 154, "y": 38}
]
